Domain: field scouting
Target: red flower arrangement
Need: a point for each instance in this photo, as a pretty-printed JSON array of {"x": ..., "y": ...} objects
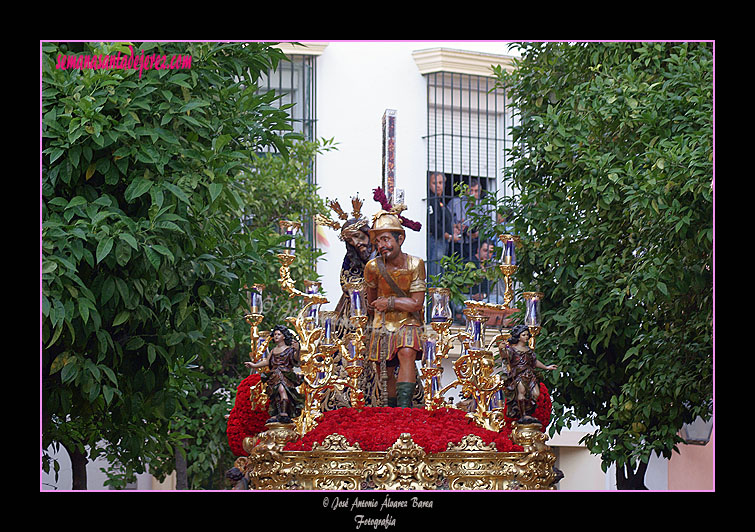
[
  {"x": 243, "y": 421},
  {"x": 378, "y": 428}
]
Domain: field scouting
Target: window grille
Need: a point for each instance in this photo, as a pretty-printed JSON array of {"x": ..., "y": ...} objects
[
  {"x": 468, "y": 121},
  {"x": 294, "y": 82}
]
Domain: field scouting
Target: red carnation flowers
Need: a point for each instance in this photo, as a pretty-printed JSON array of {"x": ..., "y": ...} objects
[
  {"x": 378, "y": 428},
  {"x": 542, "y": 408},
  {"x": 243, "y": 421}
]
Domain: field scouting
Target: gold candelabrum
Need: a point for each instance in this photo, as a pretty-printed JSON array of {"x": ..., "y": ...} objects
[
  {"x": 259, "y": 341},
  {"x": 337, "y": 464},
  {"x": 318, "y": 341},
  {"x": 475, "y": 369}
]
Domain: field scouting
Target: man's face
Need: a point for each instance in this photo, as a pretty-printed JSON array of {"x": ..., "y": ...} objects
[
  {"x": 387, "y": 246},
  {"x": 484, "y": 252},
  {"x": 436, "y": 184},
  {"x": 474, "y": 190},
  {"x": 361, "y": 242}
]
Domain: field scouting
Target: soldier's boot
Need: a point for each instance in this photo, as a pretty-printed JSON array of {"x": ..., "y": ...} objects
[{"x": 404, "y": 393}]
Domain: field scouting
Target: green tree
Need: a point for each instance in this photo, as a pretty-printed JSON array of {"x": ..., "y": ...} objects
[
  {"x": 271, "y": 188},
  {"x": 613, "y": 160},
  {"x": 143, "y": 252}
]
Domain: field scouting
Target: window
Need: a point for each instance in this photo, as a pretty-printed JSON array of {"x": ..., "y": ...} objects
[
  {"x": 468, "y": 123},
  {"x": 294, "y": 82}
]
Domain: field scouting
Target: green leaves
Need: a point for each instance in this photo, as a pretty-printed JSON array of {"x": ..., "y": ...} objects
[
  {"x": 142, "y": 253},
  {"x": 612, "y": 156}
]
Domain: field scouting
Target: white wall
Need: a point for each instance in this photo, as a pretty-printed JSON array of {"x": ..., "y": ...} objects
[
  {"x": 95, "y": 476},
  {"x": 356, "y": 83}
]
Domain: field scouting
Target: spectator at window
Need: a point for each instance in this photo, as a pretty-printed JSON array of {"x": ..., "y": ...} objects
[
  {"x": 460, "y": 209},
  {"x": 439, "y": 223}
]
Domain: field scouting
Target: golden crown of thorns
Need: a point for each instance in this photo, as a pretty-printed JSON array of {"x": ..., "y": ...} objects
[{"x": 346, "y": 228}]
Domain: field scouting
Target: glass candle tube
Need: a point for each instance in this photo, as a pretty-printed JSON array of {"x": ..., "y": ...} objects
[
  {"x": 313, "y": 288},
  {"x": 289, "y": 229},
  {"x": 428, "y": 355},
  {"x": 255, "y": 298},
  {"x": 440, "y": 309},
  {"x": 475, "y": 327},
  {"x": 532, "y": 308},
  {"x": 508, "y": 255},
  {"x": 328, "y": 323},
  {"x": 357, "y": 299},
  {"x": 496, "y": 400}
]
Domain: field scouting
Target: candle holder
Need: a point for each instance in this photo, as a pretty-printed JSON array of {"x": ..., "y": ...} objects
[
  {"x": 508, "y": 265},
  {"x": 353, "y": 343},
  {"x": 431, "y": 370},
  {"x": 254, "y": 319},
  {"x": 351, "y": 354},
  {"x": 532, "y": 314},
  {"x": 475, "y": 374},
  {"x": 431, "y": 362},
  {"x": 474, "y": 369},
  {"x": 319, "y": 376},
  {"x": 316, "y": 359},
  {"x": 319, "y": 342}
]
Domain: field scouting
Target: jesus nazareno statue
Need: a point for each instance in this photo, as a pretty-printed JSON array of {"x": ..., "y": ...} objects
[{"x": 281, "y": 381}]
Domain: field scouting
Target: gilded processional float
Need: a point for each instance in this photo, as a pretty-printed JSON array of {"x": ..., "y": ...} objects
[{"x": 495, "y": 441}]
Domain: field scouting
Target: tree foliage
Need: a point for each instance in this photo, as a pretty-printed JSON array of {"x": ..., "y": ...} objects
[
  {"x": 613, "y": 160},
  {"x": 272, "y": 188},
  {"x": 144, "y": 255}
]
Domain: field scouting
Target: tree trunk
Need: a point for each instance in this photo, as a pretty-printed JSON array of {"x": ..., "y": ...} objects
[
  {"x": 629, "y": 479},
  {"x": 78, "y": 469},
  {"x": 182, "y": 482}
]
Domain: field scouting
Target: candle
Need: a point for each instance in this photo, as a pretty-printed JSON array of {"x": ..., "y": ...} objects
[
  {"x": 355, "y": 290},
  {"x": 474, "y": 327},
  {"x": 356, "y": 303},
  {"x": 313, "y": 288},
  {"x": 327, "y": 322},
  {"x": 532, "y": 310},
  {"x": 255, "y": 298},
  {"x": 509, "y": 255},
  {"x": 496, "y": 400},
  {"x": 429, "y": 355}
]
